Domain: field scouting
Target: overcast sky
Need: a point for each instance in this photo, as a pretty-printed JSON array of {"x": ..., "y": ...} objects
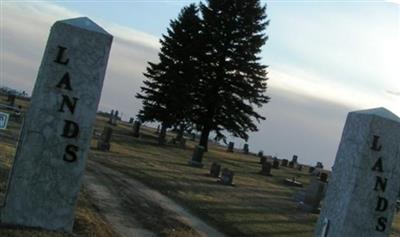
[{"x": 326, "y": 58}]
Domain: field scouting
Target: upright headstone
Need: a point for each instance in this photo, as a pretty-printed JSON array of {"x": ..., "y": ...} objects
[
  {"x": 313, "y": 196},
  {"x": 103, "y": 143},
  {"x": 291, "y": 164},
  {"x": 197, "y": 157},
  {"x": 284, "y": 162},
  {"x": 266, "y": 168},
  {"x": 136, "y": 129},
  {"x": 50, "y": 160},
  {"x": 11, "y": 99},
  {"x": 227, "y": 176},
  {"x": 260, "y": 154},
  {"x": 230, "y": 147},
  {"x": 111, "y": 117},
  {"x": 131, "y": 120},
  {"x": 319, "y": 165},
  {"x": 294, "y": 159},
  {"x": 365, "y": 181},
  {"x": 215, "y": 169},
  {"x": 275, "y": 163},
  {"x": 263, "y": 159},
  {"x": 158, "y": 129},
  {"x": 246, "y": 148}
]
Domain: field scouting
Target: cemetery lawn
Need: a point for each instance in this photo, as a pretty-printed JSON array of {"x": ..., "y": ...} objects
[{"x": 255, "y": 206}]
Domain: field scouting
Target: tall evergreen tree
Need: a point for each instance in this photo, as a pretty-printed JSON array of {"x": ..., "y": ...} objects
[
  {"x": 233, "y": 79},
  {"x": 167, "y": 94}
]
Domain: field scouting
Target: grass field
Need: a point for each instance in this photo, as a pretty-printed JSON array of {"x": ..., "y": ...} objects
[{"x": 255, "y": 206}]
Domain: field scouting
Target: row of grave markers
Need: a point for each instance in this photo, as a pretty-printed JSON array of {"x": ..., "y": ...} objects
[{"x": 45, "y": 179}]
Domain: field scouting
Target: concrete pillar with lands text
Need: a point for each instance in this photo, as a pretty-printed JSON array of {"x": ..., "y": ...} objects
[
  {"x": 44, "y": 182},
  {"x": 365, "y": 181}
]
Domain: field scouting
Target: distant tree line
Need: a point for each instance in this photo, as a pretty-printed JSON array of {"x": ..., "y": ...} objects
[{"x": 209, "y": 76}]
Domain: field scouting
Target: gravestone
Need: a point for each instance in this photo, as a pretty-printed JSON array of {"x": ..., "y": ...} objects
[
  {"x": 266, "y": 168},
  {"x": 103, "y": 143},
  {"x": 313, "y": 196},
  {"x": 215, "y": 169},
  {"x": 230, "y": 147},
  {"x": 111, "y": 117},
  {"x": 197, "y": 157},
  {"x": 227, "y": 177},
  {"x": 136, "y": 129},
  {"x": 260, "y": 154},
  {"x": 323, "y": 177},
  {"x": 311, "y": 169},
  {"x": 294, "y": 159},
  {"x": 131, "y": 120},
  {"x": 284, "y": 162},
  {"x": 11, "y": 99},
  {"x": 246, "y": 148},
  {"x": 3, "y": 120},
  {"x": 263, "y": 159},
  {"x": 182, "y": 143},
  {"x": 158, "y": 129},
  {"x": 275, "y": 163},
  {"x": 319, "y": 165},
  {"x": 365, "y": 180},
  {"x": 291, "y": 164},
  {"x": 50, "y": 160}
]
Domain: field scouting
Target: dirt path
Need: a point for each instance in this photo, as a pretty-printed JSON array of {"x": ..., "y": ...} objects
[{"x": 134, "y": 209}]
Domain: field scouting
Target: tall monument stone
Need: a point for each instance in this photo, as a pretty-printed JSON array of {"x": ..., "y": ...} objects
[
  {"x": 365, "y": 181},
  {"x": 44, "y": 183}
]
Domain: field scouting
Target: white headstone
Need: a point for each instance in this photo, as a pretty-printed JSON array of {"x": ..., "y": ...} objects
[
  {"x": 365, "y": 181},
  {"x": 3, "y": 120},
  {"x": 45, "y": 180}
]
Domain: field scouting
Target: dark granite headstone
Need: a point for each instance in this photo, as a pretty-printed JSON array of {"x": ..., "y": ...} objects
[
  {"x": 266, "y": 168},
  {"x": 311, "y": 169},
  {"x": 291, "y": 164},
  {"x": 275, "y": 163},
  {"x": 131, "y": 120},
  {"x": 263, "y": 159},
  {"x": 284, "y": 162},
  {"x": 197, "y": 157},
  {"x": 294, "y": 159},
  {"x": 215, "y": 169},
  {"x": 230, "y": 147},
  {"x": 11, "y": 99},
  {"x": 246, "y": 148},
  {"x": 260, "y": 154},
  {"x": 136, "y": 129},
  {"x": 323, "y": 177}
]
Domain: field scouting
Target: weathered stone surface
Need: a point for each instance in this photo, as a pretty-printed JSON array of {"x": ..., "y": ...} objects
[
  {"x": 365, "y": 181},
  {"x": 49, "y": 165}
]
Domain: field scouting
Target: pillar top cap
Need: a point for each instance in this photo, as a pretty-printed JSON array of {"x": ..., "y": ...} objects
[
  {"x": 380, "y": 112},
  {"x": 84, "y": 23}
]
